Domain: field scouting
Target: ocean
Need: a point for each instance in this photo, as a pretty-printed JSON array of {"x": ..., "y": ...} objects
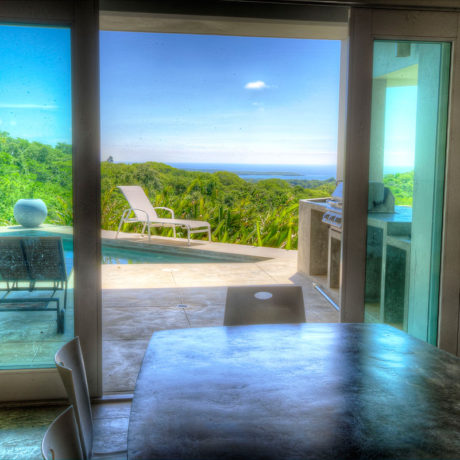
[
  {"x": 269, "y": 171},
  {"x": 261, "y": 171}
]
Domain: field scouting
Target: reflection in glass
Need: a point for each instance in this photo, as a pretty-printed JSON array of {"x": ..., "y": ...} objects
[
  {"x": 36, "y": 218},
  {"x": 406, "y": 178}
]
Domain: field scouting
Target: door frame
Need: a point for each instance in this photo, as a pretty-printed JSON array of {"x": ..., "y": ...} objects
[
  {"x": 82, "y": 17},
  {"x": 367, "y": 25}
]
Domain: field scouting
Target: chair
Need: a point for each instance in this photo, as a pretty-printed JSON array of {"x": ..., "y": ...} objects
[
  {"x": 264, "y": 305},
  {"x": 144, "y": 212},
  {"x": 71, "y": 368},
  {"x": 32, "y": 264},
  {"x": 61, "y": 440}
]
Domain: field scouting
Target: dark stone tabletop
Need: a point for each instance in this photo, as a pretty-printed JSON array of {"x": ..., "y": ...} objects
[{"x": 318, "y": 391}]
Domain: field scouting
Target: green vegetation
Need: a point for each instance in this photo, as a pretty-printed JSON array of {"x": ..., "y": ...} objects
[
  {"x": 402, "y": 187},
  {"x": 260, "y": 213},
  {"x": 34, "y": 170},
  {"x": 256, "y": 213}
]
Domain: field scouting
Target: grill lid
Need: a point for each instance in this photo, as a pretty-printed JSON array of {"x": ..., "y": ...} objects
[{"x": 336, "y": 199}]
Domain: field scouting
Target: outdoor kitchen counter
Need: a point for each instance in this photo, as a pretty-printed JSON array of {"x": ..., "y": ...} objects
[
  {"x": 396, "y": 223},
  {"x": 312, "y": 255},
  {"x": 295, "y": 391},
  {"x": 384, "y": 232}
]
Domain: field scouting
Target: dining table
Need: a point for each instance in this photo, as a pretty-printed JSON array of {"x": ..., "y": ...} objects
[{"x": 295, "y": 391}]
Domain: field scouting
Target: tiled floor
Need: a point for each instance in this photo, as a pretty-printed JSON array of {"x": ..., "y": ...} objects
[{"x": 22, "y": 429}]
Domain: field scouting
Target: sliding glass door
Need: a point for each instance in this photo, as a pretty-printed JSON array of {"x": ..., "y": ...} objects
[
  {"x": 36, "y": 209},
  {"x": 410, "y": 89},
  {"x": 401, "y": 261}
]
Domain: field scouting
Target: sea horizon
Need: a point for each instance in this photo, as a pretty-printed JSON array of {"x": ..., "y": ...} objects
[
  {"x": 289, "y": 172},
  {"x": 254, "y": 171}
]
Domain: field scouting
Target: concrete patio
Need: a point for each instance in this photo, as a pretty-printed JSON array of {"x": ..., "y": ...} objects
[{"x": 140, "y": 299}]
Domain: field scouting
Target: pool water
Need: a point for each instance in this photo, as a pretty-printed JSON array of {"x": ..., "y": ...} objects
[
  {"x": 112, "y": 255},
  {"x": 119, "y": 255},
  {"x": 155, "y": 255}
]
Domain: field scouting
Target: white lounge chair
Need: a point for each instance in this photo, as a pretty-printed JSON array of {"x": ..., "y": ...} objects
[
  {"x": 144, "y": 212},
  {"x": 28, "y": 265}
]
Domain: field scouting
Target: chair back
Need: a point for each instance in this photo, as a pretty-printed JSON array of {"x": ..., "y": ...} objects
[
  {"x": 32, "y": 259},
  {"x": 69, "y": 362},
  {"x": 13, "y": 265},
  {"x": 138, "y": 201},
  {"x": 264, "y": 305},
  {"x": 61, "y": 440},
  {"x": 45, "y": 256}
]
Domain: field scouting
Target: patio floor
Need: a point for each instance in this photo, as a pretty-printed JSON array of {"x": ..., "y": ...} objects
[
  {"x": 139, "y": 299},
  {"x": 143, "y": 298}
]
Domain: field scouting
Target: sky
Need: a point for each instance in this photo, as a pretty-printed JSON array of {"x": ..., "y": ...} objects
[
  {"x": 400, "y": 120},
  {"x": 35, "y": 84},
  {"x": 179, "y": 98},
  {"x": 206, "y": 98}
]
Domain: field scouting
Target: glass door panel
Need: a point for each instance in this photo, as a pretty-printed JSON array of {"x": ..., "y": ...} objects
[
  {"x": 36, "y": 237},
  {"x": 406, "y": 180}
]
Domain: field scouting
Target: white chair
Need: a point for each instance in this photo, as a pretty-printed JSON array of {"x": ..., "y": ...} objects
[
  {"x": 71, "y": 368},
  {"x": 61, "y": 440},
  {"x": 264, "y": 305},
  {"x": 145, "y": 213}
]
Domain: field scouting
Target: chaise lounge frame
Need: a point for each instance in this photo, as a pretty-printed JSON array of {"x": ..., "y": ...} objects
[
  {"x": 26, "y": 261},
  {"x": 145, "y": 213}
]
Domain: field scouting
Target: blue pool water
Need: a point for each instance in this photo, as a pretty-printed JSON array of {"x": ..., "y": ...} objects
[
  {"x": 152, "y": 255},
  {"x": 119, "y": 255},
  {"x": 112, "y": 255}
]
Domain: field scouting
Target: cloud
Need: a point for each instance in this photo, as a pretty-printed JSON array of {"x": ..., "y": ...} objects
[
  {"x": 259, "y": 84},
  {"x": 29, "y": 106}
]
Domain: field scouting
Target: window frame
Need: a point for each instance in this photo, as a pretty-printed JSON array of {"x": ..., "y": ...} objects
[
  {"x": 82, "y": 18},
  {"x": 367, "y": 25}
]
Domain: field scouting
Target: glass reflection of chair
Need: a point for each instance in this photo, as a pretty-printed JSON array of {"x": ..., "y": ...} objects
[
  {"x": 32, "y": 264},
  {"x": 71, "y": 368},
  {"x": 264, "y": 305},
  {"x": 61, "y": 439}
]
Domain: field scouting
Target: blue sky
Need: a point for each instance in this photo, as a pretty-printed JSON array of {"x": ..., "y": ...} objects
[
  {"x": 400, "y": 121},
  {"x": 35, "y": 85},
  {"x": 192, "y": 98},
  {"x": 204, "y": 98}
]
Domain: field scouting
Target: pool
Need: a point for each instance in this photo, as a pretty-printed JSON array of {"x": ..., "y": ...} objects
[
  {"x": 165, "y": 255},
  {"x": 149, "y": 254}
]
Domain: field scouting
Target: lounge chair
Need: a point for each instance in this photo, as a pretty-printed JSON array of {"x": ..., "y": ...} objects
[
  {"x": 31, "y": 264},
  {"x": 144, "y": 212}
]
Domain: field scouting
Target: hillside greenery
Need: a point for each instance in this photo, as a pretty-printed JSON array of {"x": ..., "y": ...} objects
[
  {"x": 402, "y": 187},
  {"x": 34, "y": 170},
  {"x": 260, "y": 213}
]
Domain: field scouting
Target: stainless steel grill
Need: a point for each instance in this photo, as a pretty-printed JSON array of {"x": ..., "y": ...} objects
[
  {"x": 334, "y": 219},
  {"x": 333, "y": 216}
]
